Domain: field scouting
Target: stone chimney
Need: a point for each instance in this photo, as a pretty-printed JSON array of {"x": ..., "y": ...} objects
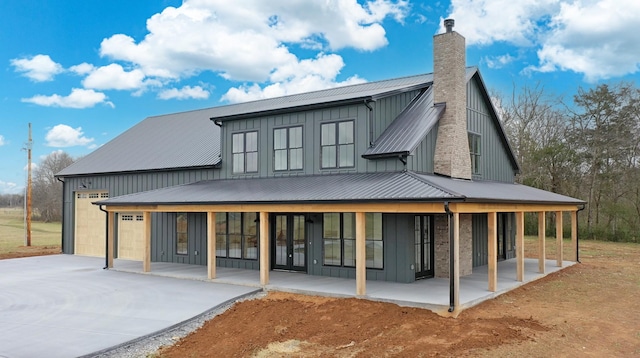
[{"x": 451, "y": 157}]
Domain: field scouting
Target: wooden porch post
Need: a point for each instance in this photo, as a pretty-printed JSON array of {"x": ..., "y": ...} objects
[
  {"x": 520, "y": 246},
  {"x": 146, "y": 256},
  {"x": 574, "y": 236},
  {"x": 211, "y": 245},
  {"x": 110, "y": 237},
  {"x": 541, "y": 242},
  {"x": 264, "y": 248},
  {"x": 559, "y": 256},
  {"x": 361, "y": 255},
  {"x": 493, "y": 251},
  {"x": 456, "y": 259}
]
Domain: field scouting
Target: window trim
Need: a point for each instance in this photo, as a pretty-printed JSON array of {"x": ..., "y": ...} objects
[
  {"x": 336, "y": 144},
  {"x": 288, "y": 148},
  {"x": 244, "y": 152}
]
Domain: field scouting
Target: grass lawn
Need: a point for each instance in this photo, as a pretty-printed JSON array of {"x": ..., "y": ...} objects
[{"x": 45, "y": 237}]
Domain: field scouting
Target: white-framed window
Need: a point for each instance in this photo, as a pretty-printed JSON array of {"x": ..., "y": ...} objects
[
  {"x": 337, "y": 144},
  {"x": 287, "y": 148},
  {"x": 245, "y": 152}
]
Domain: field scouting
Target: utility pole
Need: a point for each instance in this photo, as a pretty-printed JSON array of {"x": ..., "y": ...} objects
[{"x": 28, "y": 205}]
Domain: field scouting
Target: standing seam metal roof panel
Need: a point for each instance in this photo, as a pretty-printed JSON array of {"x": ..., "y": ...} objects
[{"x": 411, "y": 126}]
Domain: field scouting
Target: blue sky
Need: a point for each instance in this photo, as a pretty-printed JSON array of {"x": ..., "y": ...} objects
[{"x": 83, "y": 72}]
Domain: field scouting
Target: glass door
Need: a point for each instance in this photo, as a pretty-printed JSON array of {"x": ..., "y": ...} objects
[
  {"x": 289, "y": 242},
  {"x": 423, "y": 244}
]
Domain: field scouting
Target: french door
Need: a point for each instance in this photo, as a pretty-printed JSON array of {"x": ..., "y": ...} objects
[
  {"x": 423, "y": 244},
  {"x": 288, "y": 239}
]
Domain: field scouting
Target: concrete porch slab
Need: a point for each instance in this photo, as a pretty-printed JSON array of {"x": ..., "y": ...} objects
[{"x": 432, "y": 294}]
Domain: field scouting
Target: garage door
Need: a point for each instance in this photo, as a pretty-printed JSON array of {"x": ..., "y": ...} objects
[
  {"x": 90, "y": 224},
  {"x": 130, "y": 236}
]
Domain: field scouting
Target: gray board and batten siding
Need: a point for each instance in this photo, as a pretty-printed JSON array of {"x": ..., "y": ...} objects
[{"x": 384, "y": 111}]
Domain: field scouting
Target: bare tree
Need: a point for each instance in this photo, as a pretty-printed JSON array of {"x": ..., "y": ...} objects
[{"x": 47, "y": 190}]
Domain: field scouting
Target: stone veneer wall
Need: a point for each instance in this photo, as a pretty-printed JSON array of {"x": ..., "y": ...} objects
[
  {"x": 451, "y": 157},
  {"x": 442, "y": 245}
]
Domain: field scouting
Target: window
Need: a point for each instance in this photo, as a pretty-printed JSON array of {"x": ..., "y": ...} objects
[
  {"x": 182, "y": 236},
  {"x": 127, "y": 217},
  {"x": 339, "y": 242},
  {"x": 287, "y": 148},
  {"x": 245, "y": 152},
  {"x": 373, "y": 235},
  {"x": 237, "y": 235},
  {"x": 474, "y": 151},
  {"x": 337, "y": 144}
]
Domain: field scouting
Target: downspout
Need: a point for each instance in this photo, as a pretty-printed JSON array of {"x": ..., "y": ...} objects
[
  {"x": 452, "y": 305},
  {"x": 578, "y": 234},
  {"x": 64, "y": 196},
  {"x": 106, "y": 239},
  {"x": 366, "y": 103}
]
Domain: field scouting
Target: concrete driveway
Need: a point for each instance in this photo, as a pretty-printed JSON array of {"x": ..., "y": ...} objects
[{"x": 68, "y": 306}]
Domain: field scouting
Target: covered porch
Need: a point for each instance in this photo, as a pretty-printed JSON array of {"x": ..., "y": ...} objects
[
  {"x": 430, "y": 294},
  {"x": 390, "y": 193}
]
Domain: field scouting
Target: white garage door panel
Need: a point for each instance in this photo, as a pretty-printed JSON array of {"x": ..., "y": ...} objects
[
  {"x": 131, "y": 236},
  {"x": 90, "y": 224}
]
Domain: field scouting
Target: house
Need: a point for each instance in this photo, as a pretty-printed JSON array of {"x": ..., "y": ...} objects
[{"x": 395, "y": 180}]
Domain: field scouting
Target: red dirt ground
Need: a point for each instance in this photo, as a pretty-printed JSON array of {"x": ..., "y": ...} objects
[{"x": 589, "y": 309}]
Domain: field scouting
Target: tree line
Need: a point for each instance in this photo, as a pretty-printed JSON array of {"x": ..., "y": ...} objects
[{"x": 587, "y": 147}]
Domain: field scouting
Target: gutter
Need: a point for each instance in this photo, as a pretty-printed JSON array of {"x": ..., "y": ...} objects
[
  {"x": 366, "y": 103},
  {"x": 578, "y": 234},
  {"x": 106, "y": 239},
  {"x": 64, "y": 192},
  {"x": 452, "y": 302}
]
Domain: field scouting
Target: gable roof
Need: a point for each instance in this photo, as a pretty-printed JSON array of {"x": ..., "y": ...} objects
[{"x": 334, "y": 188}]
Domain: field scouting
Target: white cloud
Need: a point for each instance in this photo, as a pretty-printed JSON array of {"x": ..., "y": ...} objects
[
  {"x": 63, "y": 135},
  {"x": 115, "y": 77},
  {"x": 247, "y": 41},
  {"x": 82, "y": 69},
  {"x": 597, "y": 38},
  {"x": 7, "y": 187},
  {"x": 497, "y": 62},
  {"x": 303, "y": 76},
  {"x": 78, "y": 98},
  {"x": 39, "y": 68},
  {"x": 186, "y": 92},
  {"x": 2, "y": 142}
]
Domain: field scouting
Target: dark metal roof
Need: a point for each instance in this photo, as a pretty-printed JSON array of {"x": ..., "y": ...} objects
[
  {"x": 369, "y": 90},
  {"x": 404, "y": 134},
  {"x": 181, "y": 140},
  {"x": 491, "y": 191},
  {"x": 396, "y": 186},
  {"x": 372, "y": 187}
]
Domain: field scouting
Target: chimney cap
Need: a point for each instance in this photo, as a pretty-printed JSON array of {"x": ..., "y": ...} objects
[{"x": 448, "y": 24}]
